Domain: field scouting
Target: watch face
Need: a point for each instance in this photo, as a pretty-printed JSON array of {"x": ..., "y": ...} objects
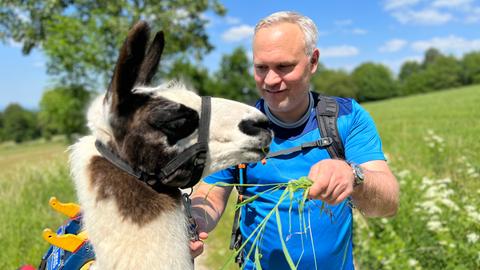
[{"x": 358, "y": 173}]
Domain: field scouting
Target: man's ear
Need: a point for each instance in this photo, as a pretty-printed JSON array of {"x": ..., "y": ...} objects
[{"x": 314, "y": 60}]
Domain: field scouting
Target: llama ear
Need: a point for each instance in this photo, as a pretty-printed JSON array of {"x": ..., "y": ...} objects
[
  {"x": 128, "y": 64},
  {"x": 152, "y": 58}
]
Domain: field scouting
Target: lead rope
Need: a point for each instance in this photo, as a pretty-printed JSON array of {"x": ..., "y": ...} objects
[{"x": 192, "y": 225}]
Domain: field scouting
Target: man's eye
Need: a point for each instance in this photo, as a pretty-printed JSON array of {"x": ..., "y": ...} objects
[
  {"x": 261, "y": 68},
  {"x": 285, "y": 67}
]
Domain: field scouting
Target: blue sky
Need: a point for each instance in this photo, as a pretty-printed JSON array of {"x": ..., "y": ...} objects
[{"x": 351, "y": 32}]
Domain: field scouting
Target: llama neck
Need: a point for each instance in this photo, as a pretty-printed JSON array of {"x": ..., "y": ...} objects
[{"x": 128, "y": 223}]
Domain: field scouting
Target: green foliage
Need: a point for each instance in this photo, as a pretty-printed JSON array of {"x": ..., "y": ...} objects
[
  {"x": 335, "y": 83},
  {"x": 19, "y": 124},
  {"x": 408, "y": 69},
  {"x": 471, "y": 68},
  {"x": 431, "y": 143},
  {"x": 193, "y": 75},
  {"x": 233, "y": 79},
  {"x": 81, "y": 38},
  {"x": 374, "y": 82},
  {"x": 437, "y": 72},
  {"x": 431, "y": 56},
  {"x": 63, "y": 109}
]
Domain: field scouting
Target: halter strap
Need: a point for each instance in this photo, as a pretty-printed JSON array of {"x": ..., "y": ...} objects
[{"x": 198, "y": 152}]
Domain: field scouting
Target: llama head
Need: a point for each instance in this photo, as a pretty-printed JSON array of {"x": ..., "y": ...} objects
[{"x": 149, "y": 126}]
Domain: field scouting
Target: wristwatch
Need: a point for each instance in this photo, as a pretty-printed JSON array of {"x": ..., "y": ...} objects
[{"x": 358, "y": 175}]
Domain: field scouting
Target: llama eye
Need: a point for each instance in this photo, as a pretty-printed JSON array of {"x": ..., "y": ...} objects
[{"x": 175, "y": 123}]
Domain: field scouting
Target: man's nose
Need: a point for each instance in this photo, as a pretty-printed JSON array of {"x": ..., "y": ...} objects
[{"x": 272, "y": 78}]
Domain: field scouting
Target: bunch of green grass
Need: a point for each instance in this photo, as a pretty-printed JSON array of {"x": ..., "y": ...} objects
[{"x": 301, "y": 185}]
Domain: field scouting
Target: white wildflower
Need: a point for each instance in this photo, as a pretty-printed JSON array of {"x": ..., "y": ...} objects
[
  {"x": 450, "y": 204},
  {"x": 403, "y": 174},
  {"x": 412, "y": 262},
  {"x": 472, "y": 238},
  {"x": 474, "y": 215},
  {"x": 437, "y": 138},
  {"x": 435, "y": 226},
  {"x": 470, "y": 208}
]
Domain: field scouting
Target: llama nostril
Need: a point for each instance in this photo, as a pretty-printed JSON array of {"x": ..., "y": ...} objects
[{"x": 253, "y": 127}]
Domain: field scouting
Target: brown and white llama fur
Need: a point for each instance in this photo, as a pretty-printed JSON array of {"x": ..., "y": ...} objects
[{"x": 131, "y": 225}]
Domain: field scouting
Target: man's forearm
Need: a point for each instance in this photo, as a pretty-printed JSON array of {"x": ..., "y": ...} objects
[
  {"x": 208, "y": 204},
  {"x": 378, "y": 195}
]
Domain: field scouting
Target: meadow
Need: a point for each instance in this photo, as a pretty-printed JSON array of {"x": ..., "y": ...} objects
[{"x": 431, "y": 142}]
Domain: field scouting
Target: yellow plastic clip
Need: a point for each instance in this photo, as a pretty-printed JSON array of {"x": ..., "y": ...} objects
[
  {"x": 68, "y": 209},
  {"x": 87, "y": 265},
  {"x": 69, "y": 242}
]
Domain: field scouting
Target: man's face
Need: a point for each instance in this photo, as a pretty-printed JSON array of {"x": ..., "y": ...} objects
[{"x": 282, "y": 70}]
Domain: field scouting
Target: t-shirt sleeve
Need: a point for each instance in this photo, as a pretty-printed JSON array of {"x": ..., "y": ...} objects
[
  {"x": 223, "y": 176},
  {"x": 363, "y": 142}
]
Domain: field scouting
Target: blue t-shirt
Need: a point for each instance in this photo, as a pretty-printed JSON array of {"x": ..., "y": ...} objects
[{"x": 328, "y": 233}]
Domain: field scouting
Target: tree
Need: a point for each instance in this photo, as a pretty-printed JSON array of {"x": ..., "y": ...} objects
[
  {"x": 234, "y": 80},
  {"x": 408, "y": 69},
  {"x": 374, "y": 82},
  {"x": 431, "y": 56},
  {"x": 471, "y": 68},
  {"x": 62, "y": 110},
  {"x": 443, "y": 73},
  {"x": 81, "y": 38},
  {"x": 1, "y": 127},
  {"x": 193, "y": 75},
  {"x": 335, "y": 83},
  {"x": 19, "y": 124}
]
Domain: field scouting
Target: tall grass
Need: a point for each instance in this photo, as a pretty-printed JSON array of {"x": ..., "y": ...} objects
[
  {"x": 432, "y": 144},
  {"x": 25, "y": 188}
]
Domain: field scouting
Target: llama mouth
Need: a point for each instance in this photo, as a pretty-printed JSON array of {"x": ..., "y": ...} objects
[{"x": 263, "y": 151}]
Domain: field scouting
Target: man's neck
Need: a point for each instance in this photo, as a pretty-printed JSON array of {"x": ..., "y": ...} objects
[{"x": 291, "y": 120}]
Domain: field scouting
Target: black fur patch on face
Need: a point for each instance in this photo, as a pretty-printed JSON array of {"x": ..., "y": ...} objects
[
  {"x": 174, "y": 120},
  {"x": 145, "y": 138}
]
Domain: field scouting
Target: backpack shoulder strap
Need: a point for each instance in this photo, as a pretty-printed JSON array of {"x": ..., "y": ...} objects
[{"x": 327, "y": 113}]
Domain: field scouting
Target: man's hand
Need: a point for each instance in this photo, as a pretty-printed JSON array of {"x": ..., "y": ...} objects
[
  {"x": 332, "y": 181},
  {"x": 196, "y": 247}
]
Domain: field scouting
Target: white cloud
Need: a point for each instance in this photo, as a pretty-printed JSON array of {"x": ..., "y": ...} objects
[
  {"x": 449, "y": 44},
  {"x": 452, "y": 3},
  {"x": 473, "y": 16},
  {"x": 393, "y": 45},
  {"x": 339, "y": 51},
  {"x": 423, "y": 17},
  {"x": 343, "y": 22},
  {"x": 396, "y": 65},
  {"x": 359, "y": 31},
  {"x": 238, "y": 33},
  {"x": 39, "y": 64},
  {"x": 397, "y": 4},
  {"x": 232, "y": 20},
  {"x": 12, "y": 43}
]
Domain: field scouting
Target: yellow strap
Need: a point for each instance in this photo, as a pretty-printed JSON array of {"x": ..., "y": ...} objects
[
  {"x": 87, "y": 265},
  {"x": 69, "y": 242},
  {"x": 68, "y": 209}
]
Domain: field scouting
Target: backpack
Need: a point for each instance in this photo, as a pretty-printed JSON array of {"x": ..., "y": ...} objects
[{"x": 327, "y": 114}]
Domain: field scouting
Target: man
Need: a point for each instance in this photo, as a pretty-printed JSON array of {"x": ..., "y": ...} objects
[{"x": 285, "y": 58}]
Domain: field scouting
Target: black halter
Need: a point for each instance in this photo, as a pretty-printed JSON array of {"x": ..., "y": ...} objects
[{"x": 197, "y": 152}]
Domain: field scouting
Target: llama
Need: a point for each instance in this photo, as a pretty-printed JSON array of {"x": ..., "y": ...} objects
[{"x": 141, "y": 224}]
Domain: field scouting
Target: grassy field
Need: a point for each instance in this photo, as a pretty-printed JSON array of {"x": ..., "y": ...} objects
[
  {"x": 432, "y": 145},
  {"x": 29, "y": 174}
]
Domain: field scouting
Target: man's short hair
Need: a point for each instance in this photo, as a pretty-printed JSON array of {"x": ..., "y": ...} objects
[{"x": 308, "y": 27}]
